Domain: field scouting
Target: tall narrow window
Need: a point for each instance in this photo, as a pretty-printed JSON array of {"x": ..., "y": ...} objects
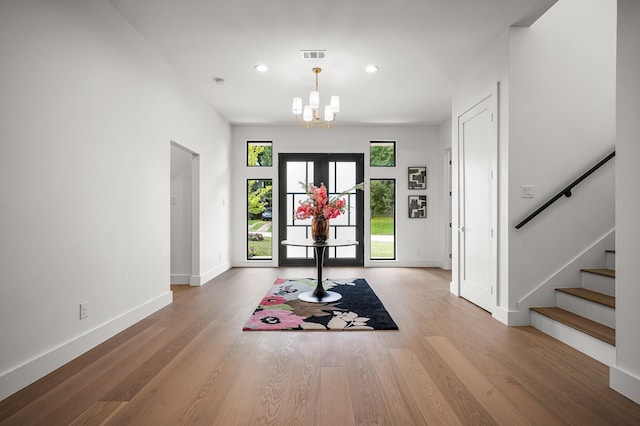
[
  {"x": 382, "y": 154},
  {"x": 259, "y": 154},
  {"x": 383, "y": 219},
  {"x": 259, "y": 219}
]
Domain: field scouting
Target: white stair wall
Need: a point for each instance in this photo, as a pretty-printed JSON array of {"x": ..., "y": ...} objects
[
  {"x": 611, "y": 259},
  {"x": 599, "y": 283}
]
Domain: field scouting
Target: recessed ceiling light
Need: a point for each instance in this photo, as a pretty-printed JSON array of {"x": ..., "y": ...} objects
[
  {"x": 262, "y": 68},
  {"x": 371, "y": 68}
]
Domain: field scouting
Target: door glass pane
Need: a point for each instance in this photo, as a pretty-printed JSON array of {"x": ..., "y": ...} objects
[
  {"x": 342, "y": 177},
  {"x": 259, "y": 219},
  {"x": 345, "y": 176},
  {"x": 346, "y": 233},
  {"x": 383, "y": 211},
  {"x": 297, "y": 171},
  {"x": 296, "y": 233}
]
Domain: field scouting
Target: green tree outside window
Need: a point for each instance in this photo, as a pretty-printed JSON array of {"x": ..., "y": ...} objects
[
  {"x": 382, "y": 154},
  {"x": 259, "y": 154}
]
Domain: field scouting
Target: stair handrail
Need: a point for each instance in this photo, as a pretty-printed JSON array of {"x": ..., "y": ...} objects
[{"x": 566, "y": 191}]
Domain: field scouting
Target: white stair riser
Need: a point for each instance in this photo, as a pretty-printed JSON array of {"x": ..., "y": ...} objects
[
  {"x": 586, "y": 308},
  {"x": 599, "y": 283},
  {"x": 595, "y": 348},
  {"x": 611, "y": 260}
]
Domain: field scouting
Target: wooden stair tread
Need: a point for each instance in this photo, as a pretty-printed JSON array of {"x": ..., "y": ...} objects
[
  {"x": 592, "y": 328},
  {"x": 606, "y": 272},
  {"x": 593, "y": 296}
]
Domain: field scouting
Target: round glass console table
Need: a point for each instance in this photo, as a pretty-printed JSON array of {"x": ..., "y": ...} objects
[{"x": 319, "y": 295}]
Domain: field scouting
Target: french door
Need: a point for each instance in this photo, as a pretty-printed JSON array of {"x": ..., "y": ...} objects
[{"x": 339, "y": 172}]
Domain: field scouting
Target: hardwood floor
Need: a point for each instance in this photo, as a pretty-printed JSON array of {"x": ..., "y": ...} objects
[{"x": 450, "y": 363}]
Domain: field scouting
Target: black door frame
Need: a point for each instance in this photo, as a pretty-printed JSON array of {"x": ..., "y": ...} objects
[{"x": 321, "y": 174}]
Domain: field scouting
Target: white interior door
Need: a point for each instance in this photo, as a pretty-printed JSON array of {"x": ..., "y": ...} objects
[{"x": 477, "y": 150}]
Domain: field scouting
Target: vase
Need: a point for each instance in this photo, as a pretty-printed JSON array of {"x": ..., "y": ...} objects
[{"x": 319, "y": 229}]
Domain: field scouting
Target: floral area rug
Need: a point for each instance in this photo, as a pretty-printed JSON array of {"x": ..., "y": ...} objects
[{"x": 359, "y": 308}]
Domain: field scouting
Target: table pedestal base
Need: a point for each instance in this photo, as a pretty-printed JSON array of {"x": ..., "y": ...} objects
[
  {"x": 319, "y": 295},
  {"x": 330, "y": 296}
]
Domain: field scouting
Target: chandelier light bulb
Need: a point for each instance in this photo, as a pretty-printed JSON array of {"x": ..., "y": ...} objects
[
  {"x": 297, "y": 106},
  {"x": 335, "y": 103},
  {"x": 314, "y": 99},
  {"x": 328, "y": 113},
  {"x": 307, "y": 115}
]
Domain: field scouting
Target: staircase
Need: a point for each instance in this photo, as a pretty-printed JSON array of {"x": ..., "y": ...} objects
[{"x": 584, "y": 317}]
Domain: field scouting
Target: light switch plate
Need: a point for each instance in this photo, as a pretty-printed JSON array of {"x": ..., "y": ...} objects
[{"x": 526, "y": 191}]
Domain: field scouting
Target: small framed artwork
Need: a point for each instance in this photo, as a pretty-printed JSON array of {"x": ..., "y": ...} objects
[
  {"x": 417, "y": 178},
  {"x": 417, "y": 206}
]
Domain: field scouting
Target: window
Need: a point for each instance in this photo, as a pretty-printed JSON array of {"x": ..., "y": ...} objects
[
  {"x": 383, "y": 218},
  {"x": 259, "y": 154},
  {"x": 382, "y": 154},
  {"x": 259, "y": 219}
]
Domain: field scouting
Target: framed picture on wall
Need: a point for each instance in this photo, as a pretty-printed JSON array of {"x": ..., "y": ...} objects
[
  {"x": 417, "y": 206},
  {"x": 417, "y": 178}
]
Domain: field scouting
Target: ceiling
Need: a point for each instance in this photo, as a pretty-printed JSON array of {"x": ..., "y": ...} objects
[{"x": 419, "y": 46}]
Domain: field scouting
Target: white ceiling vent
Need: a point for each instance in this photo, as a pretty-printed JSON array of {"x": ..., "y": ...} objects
[{"x": 308, "y": 55}]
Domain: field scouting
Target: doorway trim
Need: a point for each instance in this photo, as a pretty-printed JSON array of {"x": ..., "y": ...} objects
[
  {"x": 448, "y": 206},
  {"x": 196, "y": 278}
]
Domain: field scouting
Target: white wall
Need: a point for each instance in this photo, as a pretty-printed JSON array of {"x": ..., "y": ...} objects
[
  {"x": 561, "y": 122},
  {"x": 87, "y": 113},
  {"x": 181, "y": 188},
  {"x": 415, "y": 146},
  {"x": 625, "y": 375},
  {"x": 487, "y": 74},
  {"x": 556, "y": 119}
]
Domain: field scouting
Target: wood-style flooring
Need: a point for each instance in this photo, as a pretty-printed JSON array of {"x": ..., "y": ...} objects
[{"x": 450, "y": 363}]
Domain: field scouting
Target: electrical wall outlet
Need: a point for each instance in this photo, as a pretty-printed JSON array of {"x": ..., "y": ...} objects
[{"x": 84, "y": 310}]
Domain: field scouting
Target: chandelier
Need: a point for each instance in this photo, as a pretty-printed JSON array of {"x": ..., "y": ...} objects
[{"x": 310, "y": 115}]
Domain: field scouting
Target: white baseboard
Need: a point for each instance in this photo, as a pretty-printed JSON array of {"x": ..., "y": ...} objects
[
  {"x": 625, "y": 383},
  {"x": 198, "y": 280},
  {"x": 411, "y": 263},
  {"x": 23, "y": 375},
  {"x": 501, "y": 314},
  {"x": 454, "y": 288}
]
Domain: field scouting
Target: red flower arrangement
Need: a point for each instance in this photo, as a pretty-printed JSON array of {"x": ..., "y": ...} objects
[{"x": 320, "y": 205}]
